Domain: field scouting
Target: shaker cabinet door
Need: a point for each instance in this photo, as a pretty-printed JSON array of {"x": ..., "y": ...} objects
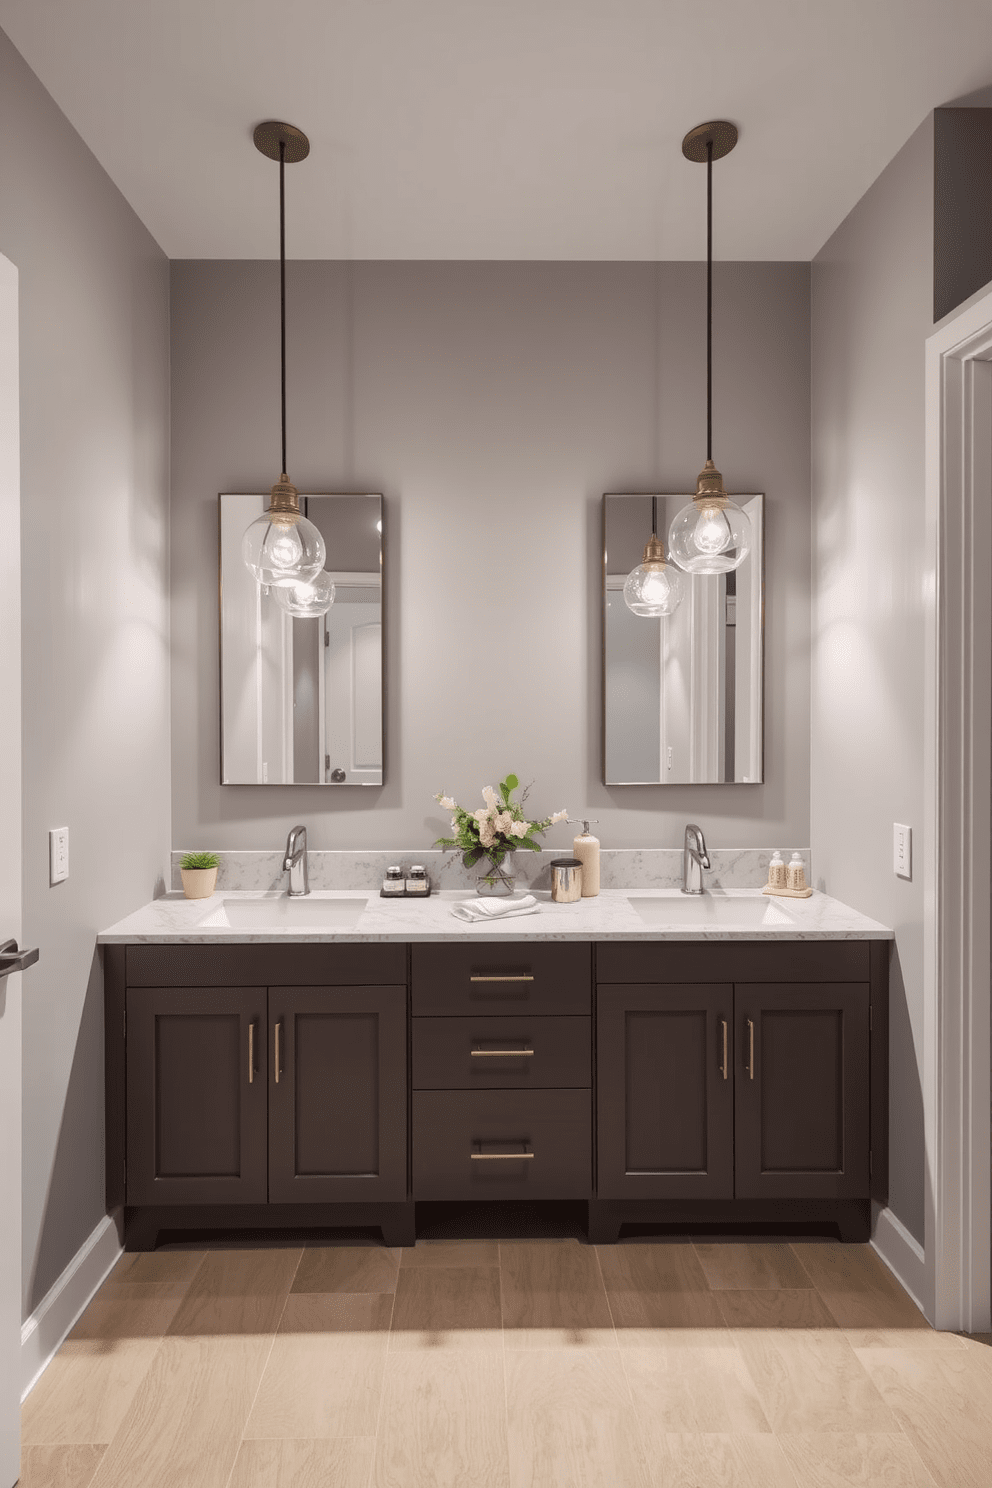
[
  {"x": 337, "y": 1094},
  {"x": 196, "y": 1095},
  {"x": 802, "y": 1084},
  {"x": 665, "y": 1092}
]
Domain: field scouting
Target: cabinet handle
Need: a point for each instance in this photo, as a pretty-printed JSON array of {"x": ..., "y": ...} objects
[
  {"x": 526, "y": 978},
  {"x": 502, "y": 1053},
  {"x": 277, "y": 1032},
  {"x": 750, "y": 1049},
  {"x": 500, "y": 1156},
  {"x": 723, "y": 1067},
  {"x": 251, "y": 1052}
]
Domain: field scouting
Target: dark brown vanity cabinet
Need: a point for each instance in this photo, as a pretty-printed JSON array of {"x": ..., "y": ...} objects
[
  {"x": 229, "y": 1091},
  {"x": 740, "y": 1071},
  {"x": 502, "y": 1071}
]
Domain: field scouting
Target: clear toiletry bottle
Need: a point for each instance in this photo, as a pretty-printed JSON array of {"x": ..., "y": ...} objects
[
  {"x": 776, "y": 871},
  {"x": 417, "y": 885},
  {"x": 394, "y": 884},
  {"x": 796, "y": 872},
  {"x": 585, "y": 847}
]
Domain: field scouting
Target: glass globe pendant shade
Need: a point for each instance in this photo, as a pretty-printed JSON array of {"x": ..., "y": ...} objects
[
  {"x": 712, "y": 535},
  {"x": 281, "y": 547},
  {"x": 654, "y": 587},
  {"x": 306, "y": 601}
]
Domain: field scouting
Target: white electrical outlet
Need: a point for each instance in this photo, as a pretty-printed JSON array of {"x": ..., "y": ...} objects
[
  {"x": 902, "y": 850},
  {"x": 58, "y": 854}
]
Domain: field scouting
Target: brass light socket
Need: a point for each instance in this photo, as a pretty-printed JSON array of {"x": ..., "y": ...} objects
[
  {"x": 654, "y": 553},
  {"x": 284, "y": 501},
  {"x": 710, "y": 487}
]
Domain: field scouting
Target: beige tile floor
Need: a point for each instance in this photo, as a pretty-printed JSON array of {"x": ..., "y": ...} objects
[{"x": 517, "y": 1364}]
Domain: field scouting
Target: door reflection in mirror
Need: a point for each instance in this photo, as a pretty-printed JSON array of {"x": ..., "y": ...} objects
[
  {"x": 683, "y": 693},
  {"x": 301, "y": 699}
]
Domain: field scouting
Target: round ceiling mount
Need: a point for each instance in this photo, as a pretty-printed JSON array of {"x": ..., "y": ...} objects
[
  {"x": 270, "y": 135},
  {"x": 722, "y": 135}
]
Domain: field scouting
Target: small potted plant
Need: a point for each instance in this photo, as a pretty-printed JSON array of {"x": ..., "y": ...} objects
[{"x": 199, "y": 871}]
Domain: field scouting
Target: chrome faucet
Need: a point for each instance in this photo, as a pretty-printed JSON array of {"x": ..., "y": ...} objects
[
  {"x": 296, "y": 862},
  {"x": 694, "y": 859}
]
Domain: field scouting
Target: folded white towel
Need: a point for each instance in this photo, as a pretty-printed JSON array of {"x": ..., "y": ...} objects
[{"x": 494, "y": 909}]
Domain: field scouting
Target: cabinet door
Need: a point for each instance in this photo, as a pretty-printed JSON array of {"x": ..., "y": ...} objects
[
  {"x": 802, "y": 1097},
  {"x": 665, "y": 1092},
  {"x": 337, "y": 1094},
  {"x": 196, "y": 1108}
]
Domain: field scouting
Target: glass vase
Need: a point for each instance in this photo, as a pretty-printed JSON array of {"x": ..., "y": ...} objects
[{"x": 497, "y": 881}]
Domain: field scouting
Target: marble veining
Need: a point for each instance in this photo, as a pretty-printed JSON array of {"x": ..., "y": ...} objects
[
  {"x": 610, "y": 916},
  {"x": 732, "y": 869}
]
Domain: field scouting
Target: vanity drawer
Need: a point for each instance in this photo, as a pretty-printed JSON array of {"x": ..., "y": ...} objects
[
  {"x": 501, "y": 977},
  {"x": 476, "y": 1053},
  {"x": 502, "y": 1144}
]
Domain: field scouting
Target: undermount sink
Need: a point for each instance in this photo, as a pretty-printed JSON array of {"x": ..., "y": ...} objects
[
  {"x": 282, "y": 912},
  {"x": 718, "y": 910}
]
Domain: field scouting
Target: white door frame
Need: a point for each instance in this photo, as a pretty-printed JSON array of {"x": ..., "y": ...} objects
[
  {"x": 10, "y": 882},
  {"x": 957, "y": 766}
]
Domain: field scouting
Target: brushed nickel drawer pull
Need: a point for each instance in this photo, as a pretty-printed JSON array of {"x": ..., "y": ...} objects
[
  {"x": 723, "y": 1067},
  {"x": 526, "y": 978},
  {"x": 500, "y": 1156},
  {"x": 502, "y": 1053},
  {"x": 278, "y": 1030},
  {"x": 750, "y": 1049},
  {"x": 251, "y": 1052}
]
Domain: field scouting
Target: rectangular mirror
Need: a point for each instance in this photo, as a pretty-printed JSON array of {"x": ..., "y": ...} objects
[
  {"x": 683, "y": 694},
  {"x": 301, "y": 700}
]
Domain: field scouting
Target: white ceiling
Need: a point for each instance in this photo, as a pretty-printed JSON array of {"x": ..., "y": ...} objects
[{"x": 519, "y": 129}]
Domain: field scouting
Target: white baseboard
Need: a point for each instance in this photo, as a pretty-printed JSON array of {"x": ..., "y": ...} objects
[
  {"x": 62, "y": 1304},
  {"x": 903, "y": 1254}
]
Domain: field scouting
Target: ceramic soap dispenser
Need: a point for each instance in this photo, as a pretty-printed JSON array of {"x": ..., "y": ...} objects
[{"x": 586, "y": 849}]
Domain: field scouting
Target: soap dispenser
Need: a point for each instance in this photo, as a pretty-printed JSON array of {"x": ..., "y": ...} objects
[
  {"x": 776, "y": 871},
  {"x": 586, "y": 848},
  {"x": 796, "y": 873}
]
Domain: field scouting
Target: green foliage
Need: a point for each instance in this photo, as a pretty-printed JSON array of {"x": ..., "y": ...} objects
[{"x": 199, "y": 860}]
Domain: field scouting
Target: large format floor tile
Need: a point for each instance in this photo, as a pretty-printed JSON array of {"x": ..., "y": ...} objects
[
  {"x": 59, "y": 1467},
  {"x": 836, "y": 1459},
  {"x": 684, "y": 1389},
  {"x": 719, "y": 1460},
  {"x": 323, "y": 1375},
  {"x": 443, "y": 1421},
  {"x": 813, "y": 1381},
  {"x": 447, "y": 1307},
  {"x": 658, "y": 1294},
  {"x": 344, "y": 1463},
  {"x": 751, "y": 1266},
  {"x": 347, "y": 1268},
  {"x": 553, "y": 1294},
  {"x": 571, "y": 1420},
  {"x": 942, "y": 1399}
]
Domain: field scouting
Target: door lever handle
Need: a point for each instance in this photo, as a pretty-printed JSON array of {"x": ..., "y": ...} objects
[{"x": 11, "y": 959}]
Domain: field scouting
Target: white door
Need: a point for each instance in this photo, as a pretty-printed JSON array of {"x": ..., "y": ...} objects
[
  {"x": 10, "y": 885},
  {"x": 353, "y": 682}
]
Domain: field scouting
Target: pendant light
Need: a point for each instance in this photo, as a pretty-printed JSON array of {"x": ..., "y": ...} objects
[
  {"x": 307, "y": 600},
  {"x": 711, "y": 535},
  {"x": 281, "y": 547},
  {"x": 654, "y": 587}
]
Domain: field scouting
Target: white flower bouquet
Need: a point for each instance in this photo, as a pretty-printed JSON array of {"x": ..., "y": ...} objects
[{"x": 497, "y": 828}]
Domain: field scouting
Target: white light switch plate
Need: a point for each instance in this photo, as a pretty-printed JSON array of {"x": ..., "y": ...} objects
[
  {"x": 902, "y": 850},
  {"x": 58, "y": 854}
]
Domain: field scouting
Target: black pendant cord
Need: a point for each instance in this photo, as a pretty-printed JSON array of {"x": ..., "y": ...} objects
[
  {"x": 654, "y": 516},
  {"x": 709, "y": 299},
  {"x": 282, "y": 290}
]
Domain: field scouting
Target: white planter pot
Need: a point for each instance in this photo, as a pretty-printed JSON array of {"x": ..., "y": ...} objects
[{"x": 199, "y": 883}]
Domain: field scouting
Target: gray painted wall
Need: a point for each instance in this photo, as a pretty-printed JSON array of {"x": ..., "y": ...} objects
[
  {"x": 492, "y": 404},
  {"x": 872, "y": 297},
  {"x": 94, "y": 363}
]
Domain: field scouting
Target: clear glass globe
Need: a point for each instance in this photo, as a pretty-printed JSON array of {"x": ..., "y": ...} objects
[
  {"x": 710, "y": 537},
  {"x": 653, "y": 589},
  {"x": 281, "y": 549},
  {"x": 306, "y": 601}
]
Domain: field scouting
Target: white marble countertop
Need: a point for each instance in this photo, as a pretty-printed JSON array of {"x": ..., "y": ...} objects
[{"x": 612, "y": 915}]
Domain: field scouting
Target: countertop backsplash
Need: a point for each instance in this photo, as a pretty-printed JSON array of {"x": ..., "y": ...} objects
[{"x": 620, "y": 868}]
